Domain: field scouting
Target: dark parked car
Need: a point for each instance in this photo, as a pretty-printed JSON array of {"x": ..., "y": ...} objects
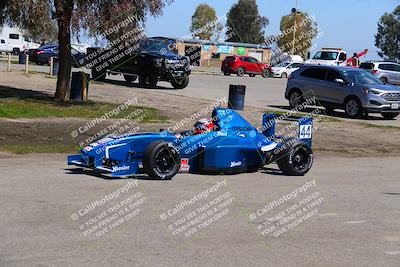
[
  {"x": 43, "y": 54},
  {"x": 152, "y": 60},
  {"x": 356, "y": 91},
  {"x": 242, "y": 65}
]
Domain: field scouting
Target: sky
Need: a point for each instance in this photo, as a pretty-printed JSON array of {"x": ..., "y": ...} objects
[{"x": 347, "y": 24}]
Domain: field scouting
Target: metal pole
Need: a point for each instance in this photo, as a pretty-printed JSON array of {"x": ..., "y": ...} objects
[
  {"x": 26, "y": 64},
  {"x": 51, "y": 66},
  {"x": 294, "y": 30},
  {"x": 9, "y": 62}
]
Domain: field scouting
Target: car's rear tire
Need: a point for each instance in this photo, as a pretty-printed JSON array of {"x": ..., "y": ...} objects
[
  {"x": 161, "y": 160},
  {"x": 284, "y": 75},
  {"x": 389, "y": 116},
  {"x": 148, "y": 79},
  {"x": 241, "y": 71},
  {"x": 295, "y": 98},
  {"x": 266, "y": 73},
  {"x": 296, "y": 159},
  {"x": 180, "y": 83},
  {"x": 227, "y": 74},
  {"x": 384, "y": 80},
  {"x": 353, "y": 108},
  {"x": 130, "y": 78}
]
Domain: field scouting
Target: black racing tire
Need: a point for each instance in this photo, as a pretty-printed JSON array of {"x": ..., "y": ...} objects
[
  {"x": 148, "y": 79},
  {"x": 295, "y": 98},
  {"x": 266, "y": 73},
  {"x": 180, "y": 83},
  {"x": 240, "y": 72},
  {"x": 353, "y": 108},
  {"x": 296, "y": 159},
  {"x": 161, "y": 160},
  {"x": 130, "y": 78},
  {"x": 389, "y": 116},
  {"x": 98, "y": 75}
]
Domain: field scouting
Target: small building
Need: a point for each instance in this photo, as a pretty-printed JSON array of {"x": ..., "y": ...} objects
[{"x": 206, "y": 53}]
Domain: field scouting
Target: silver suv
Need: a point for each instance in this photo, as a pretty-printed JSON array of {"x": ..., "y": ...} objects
[
  {"x": 356, "y": 91},
  {"x": 387, "y": 72}
]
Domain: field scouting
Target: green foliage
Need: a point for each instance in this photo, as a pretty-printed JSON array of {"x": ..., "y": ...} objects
[
  {"x": 388, "y": 37},
  {"x": 205, "y": 24},
  {"x": 47, "y": 108},
  {"x": 298, "y": 30},
  {"x": 245, "y": 23}
]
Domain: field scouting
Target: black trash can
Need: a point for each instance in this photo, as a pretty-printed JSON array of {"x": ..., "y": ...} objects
[
  {"x": 236, "y": 97},
  {"x": 56, "y": 66},
  {"x": 22, "y": 58},
  {"x": 79, "y": 86}
]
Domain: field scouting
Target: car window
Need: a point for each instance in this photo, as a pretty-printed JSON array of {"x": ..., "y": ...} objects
[
  {"x": 396, "y": 68},
  {"x": 332, "y": 76},
  {"x": 326, "y": 55},
  {"x": 283, "y": 64},
  {"x": 253, "y": 60},
  {"x": 2, "y": 41},
  {"x": 230, "y": 59},
  {"x": 361, "y": 77},
  {"x": 244, "y": 59},
  {"x": 367, "y": 66},
  {"x": 386, "y": 66},
  {"x": 296, "y": 65},
  {"x": 314, "y": 73}
]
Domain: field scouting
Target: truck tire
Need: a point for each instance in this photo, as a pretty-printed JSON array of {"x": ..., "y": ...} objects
[
  {"x": 98, "y": 75},
  {"x": 161, "y": 161},
  {"x": 296, "y": 159},
  {"x": 148, "y": 79},
  {"x": 180, "y": 83},
  {"x": 130, "y": 78}
]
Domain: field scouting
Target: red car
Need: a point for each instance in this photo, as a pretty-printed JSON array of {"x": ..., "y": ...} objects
[{"x": 242, "y": 65}]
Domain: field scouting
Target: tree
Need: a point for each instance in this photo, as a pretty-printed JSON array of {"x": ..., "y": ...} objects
[
  {"x": 205, "y": 23},
  {"x": 298, "y": 30},
  {"x": 73, "y": 16},
  {"x": 245, "y": 23},
  {"x": 388, "y": 37}
]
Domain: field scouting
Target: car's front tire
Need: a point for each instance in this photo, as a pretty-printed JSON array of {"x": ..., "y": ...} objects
[
  {"x": 180, "y": 83},
  {"x": 161, "y": 160},
  {"x": 297, "y": 159},
  {"x": 266, "y": 73},
  {"x": 389, "y": 116},
  {"x": 353, "y": 108}
]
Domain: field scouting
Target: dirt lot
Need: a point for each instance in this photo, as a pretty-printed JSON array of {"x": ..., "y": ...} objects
[{"x": 331, "y": 137}]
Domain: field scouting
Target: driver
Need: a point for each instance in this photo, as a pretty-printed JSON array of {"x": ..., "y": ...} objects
[{"x": 203, "y": 126}]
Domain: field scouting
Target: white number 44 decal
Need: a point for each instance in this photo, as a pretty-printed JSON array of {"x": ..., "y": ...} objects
[{"x": 305, "y": 131}]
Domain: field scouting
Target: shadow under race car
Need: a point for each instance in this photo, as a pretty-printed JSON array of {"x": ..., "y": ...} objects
[{"x": 234, "y": 146}]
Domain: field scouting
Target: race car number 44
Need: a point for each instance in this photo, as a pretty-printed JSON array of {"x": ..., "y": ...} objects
[
  {"x": 395, "y": 106},
  {"x": 305, "y": 131}
]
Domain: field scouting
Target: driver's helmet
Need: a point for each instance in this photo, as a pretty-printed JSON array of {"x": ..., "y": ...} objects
[{"x": 203, "y": 125}]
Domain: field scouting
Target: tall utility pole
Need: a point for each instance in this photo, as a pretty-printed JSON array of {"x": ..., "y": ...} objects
[{"x": 294, "y": 10}]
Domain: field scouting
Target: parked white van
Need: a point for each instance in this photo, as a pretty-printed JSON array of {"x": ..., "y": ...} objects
[{"x": 12, "y": 41}]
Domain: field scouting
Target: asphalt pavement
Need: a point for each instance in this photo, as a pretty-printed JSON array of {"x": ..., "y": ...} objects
[{"x": 344, "y": 213}]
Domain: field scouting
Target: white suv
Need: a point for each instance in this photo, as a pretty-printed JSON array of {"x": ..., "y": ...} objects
[{"x": 387, "y": 72}]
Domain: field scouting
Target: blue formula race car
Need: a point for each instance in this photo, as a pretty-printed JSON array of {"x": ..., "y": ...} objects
[{"x": 232, "y": 146}]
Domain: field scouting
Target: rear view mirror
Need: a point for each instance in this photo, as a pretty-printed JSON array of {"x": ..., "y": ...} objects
[{"x": 341, "y": 81}]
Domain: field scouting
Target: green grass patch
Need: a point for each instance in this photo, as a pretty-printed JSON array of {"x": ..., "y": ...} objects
[
  {"x": 46, "y": 107},
  {"x": 28, "y": 149}
]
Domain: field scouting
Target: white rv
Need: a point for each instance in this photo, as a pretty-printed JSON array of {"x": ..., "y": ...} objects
[{"x": 12, "y": 41}]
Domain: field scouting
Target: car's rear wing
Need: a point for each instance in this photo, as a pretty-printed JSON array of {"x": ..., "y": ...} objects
[{"x": 304, "y": 131}]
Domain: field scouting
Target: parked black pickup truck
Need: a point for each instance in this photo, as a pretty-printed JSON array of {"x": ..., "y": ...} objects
[{"x": 152, "y": 61}]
